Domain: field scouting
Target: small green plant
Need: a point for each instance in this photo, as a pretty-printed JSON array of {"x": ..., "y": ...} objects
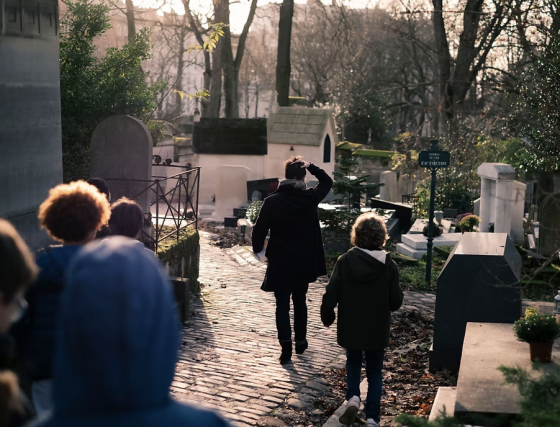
[
  {"x": 536, "y": 328},
  {"x": 253, "y": 210},
  {"x": 469, "y": 222}
]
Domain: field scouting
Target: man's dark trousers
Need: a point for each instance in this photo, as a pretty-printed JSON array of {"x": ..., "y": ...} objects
[{"x": 299, "y": 295}]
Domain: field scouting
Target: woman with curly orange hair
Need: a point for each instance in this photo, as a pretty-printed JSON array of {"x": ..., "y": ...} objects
[{"x": 71, "y": 214}]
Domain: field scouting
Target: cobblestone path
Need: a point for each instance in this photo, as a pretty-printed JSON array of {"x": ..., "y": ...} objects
[{"x": 228, "y": 360}]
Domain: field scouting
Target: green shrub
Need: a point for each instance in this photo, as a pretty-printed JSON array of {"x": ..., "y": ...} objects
[
  {"x": 469, "y": 222},
  {"x": 253, "y": 210},
  {"x": 182, "y": 256},
  {"x": 536, "y": 327}
]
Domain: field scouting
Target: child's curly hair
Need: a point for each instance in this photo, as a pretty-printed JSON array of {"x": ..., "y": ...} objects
[
  {"x": 369, "y": 232},
  {"x": 74, "y": 210}
]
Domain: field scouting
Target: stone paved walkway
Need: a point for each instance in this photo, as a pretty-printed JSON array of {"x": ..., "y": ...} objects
[{"x": 228, "y": 360}]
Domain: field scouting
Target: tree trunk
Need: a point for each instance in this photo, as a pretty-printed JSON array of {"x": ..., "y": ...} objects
[
  {"x": 283, "y": 66},
  {"x": 130, "y": 20},
  {"x": 230, "y": 86},
  {"x": 207, "y": 83},
  {"x": 444, "y": 58},
  {"x": 179, "y": 81}
]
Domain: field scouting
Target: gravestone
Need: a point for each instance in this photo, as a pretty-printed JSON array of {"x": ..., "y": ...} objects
[
  {"x": 260, "y": 185},
  {"x": 476, "y": 207},
  {"x": 549, "y": 225},
  {"x": 402, "y": 212},
  {"x": 231, "y": 191},
  {"x": 480, "y": 282},
  {"x": 501, "y": 200},
  {"x": 121, "y": 153},
  {"x": 389, "y": 190}
]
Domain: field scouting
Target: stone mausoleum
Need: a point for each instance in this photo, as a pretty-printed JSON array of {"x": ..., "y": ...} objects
[{"x": 30, "y": 132}]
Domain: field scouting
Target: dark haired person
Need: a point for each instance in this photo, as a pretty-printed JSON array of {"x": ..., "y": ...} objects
[
  {"x": 365, "y": 286},
  {"x": 17, "y": 271},
  {"x": 295, "y": 251},
  {"x": 71, "y": 214},
  {"x": 126, "y": 219},
  {"x": 118, "y": 344}
]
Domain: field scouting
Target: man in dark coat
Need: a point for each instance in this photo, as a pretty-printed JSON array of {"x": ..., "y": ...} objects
[{"x": 295, "y": 251}]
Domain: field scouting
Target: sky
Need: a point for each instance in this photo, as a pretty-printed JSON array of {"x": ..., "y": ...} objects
[{"x": 239, "y": 9}]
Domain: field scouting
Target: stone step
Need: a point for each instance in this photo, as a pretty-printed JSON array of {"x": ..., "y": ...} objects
[
  {"x": 403, "y": 249},
  {"x": 444, "y": 402}
]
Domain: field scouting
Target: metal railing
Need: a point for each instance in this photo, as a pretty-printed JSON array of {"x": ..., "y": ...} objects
[{"x": 180, "y": 204}]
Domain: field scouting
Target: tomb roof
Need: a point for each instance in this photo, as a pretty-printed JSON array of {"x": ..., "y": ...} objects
[
  {"x": 298, "y": 126},
  {"x": 348, "y": 146}
]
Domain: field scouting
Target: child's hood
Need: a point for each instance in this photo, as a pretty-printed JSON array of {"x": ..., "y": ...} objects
[{"x": 362, "y": 266}]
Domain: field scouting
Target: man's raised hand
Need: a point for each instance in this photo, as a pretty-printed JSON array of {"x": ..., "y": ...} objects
[{"x": 303, "y": 163}]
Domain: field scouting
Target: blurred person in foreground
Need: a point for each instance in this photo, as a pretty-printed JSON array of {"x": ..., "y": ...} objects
[
  {"x": 295, "y": 251},
  {"x": 119, "y": 338},
  {"x": 17, "y": 271},
  {"x": 365, "y": 286},
  {"x": 71, "y": 214}
]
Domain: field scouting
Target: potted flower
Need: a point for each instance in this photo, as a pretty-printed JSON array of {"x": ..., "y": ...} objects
[
  {"x": 539, "y": 330},
  {"x": 468, "y": 223}
]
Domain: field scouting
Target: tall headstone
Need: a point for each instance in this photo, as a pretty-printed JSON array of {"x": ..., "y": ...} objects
[
  {"x": 30, "y": 132},
  {"x": 121, "y": 153},
  {"x": 549, "y": 225},
  {"x": 389, "y": 191},
  {"x": 231, "y": 191},
  {"x": 480, "y": 282},
  {"x": 502, "y": 200}
]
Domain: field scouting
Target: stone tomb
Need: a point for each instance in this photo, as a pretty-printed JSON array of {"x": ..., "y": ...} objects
[
  {"x": 502, "y": 200},
  {"x": 481, "y": 390},
  {"x": 480, "y": 282},
  {"x": 121, "y": 153},
  {"x": 231, "y": 191},
  {"x": 416, "y": 245},
  {"x": 549, "y": 225}
]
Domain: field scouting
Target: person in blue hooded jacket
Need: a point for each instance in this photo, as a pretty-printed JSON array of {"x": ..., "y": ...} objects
[
  {"x": 118, "y": 343},
  {"x": 71, "y": 214}
]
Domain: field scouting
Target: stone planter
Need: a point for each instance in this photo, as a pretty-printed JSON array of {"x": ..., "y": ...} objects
[
  {"x": 245, "y": 229},
  {"x": 541, "y": 351}
]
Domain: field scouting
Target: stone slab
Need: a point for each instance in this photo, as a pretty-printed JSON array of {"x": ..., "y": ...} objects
[
  {"x": 419, "y": 241},
  {"x": 420, "y": 223},
  {"x": 480, "y": 387},
  {"x": 406, "y": 250},
  {"x": 444, "y": 402},
  {"x": 496, "y": 171}
]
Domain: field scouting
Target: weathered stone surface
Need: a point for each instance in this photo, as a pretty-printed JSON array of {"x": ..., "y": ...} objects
[
  {"x": 121, "y": 153},
  {"x": 480, "y": 387},
  {"x": 30, "y": 131}
]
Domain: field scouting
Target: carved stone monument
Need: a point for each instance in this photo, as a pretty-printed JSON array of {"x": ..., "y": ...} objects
[
  {"x": 389, "y": 190},
  {"x": 549, "y": 228},
  {"x": 480, "y": 282},
  {"x": 502, "y": 200},
  {"x": 121, "y": 153}
]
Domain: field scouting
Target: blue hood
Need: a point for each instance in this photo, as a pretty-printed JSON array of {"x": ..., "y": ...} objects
[
  {"x": 119, "y": 333},
  {"x": 54, "y": 261}
]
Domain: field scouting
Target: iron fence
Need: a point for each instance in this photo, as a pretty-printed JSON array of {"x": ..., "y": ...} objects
[{"x": 173, "y": 204}]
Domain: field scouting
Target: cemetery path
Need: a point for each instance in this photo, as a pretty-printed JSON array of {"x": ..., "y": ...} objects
[{"x": 228, "y": 358}]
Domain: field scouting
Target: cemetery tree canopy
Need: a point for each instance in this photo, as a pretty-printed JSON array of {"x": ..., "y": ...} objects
[{"x": 93, "y": 89}]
